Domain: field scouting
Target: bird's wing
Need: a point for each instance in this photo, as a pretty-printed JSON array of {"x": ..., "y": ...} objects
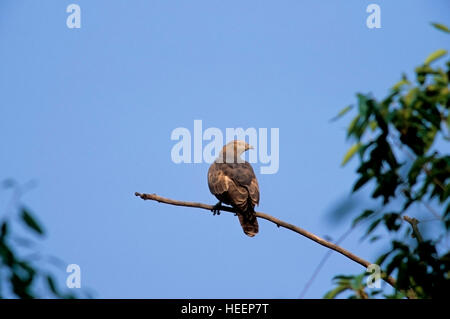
[
  {"x": 244, "y": 178},
  {"x": 226, "y": 181},
  {"x": 217, "y": 181},
  {"x": 243, "y": 174},
  {"x": 253, "y": 191},
  {"x": 238, "y": 195}
]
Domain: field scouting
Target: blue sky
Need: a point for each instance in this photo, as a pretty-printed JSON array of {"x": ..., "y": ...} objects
[{"x": 87, "y": 113}]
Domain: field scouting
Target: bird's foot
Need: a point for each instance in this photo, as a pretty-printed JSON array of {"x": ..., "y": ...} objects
[{"x": 216, "y": 209}]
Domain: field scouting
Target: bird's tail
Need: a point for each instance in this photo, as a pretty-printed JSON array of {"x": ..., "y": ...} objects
[{"x": 249, "y": 222}]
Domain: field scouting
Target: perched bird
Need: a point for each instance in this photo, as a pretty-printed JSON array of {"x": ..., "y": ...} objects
[{"x": 233, "y": 181}]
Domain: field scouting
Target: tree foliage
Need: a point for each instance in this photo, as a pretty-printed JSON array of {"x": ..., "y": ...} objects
[
  {"x": 401, "y": 142},
  {"x": 24, "y": 272}
]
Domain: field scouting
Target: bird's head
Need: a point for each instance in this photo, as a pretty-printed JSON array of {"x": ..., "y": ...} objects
[{"x": 234, "y": 149}]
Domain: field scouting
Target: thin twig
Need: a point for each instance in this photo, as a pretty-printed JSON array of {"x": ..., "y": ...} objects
[
  {"x": 274, "y": 220},
  {"x": 322, "y": 263},
  {"x": 434, "y": 212},
  {"x": 413, "y": 222},
  {"x": 413, "y": 158}
]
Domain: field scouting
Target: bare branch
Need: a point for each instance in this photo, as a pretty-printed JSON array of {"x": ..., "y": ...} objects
[{"x": 274, "y": 220}]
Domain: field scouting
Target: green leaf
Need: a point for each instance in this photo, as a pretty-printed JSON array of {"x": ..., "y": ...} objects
[
  {"x": 352, "y": 126},
  {"x": 362, "y": 181},
  {"x": 342, "y": 112},
  {"x": 350, "y": 153},
  {"x": 343, "y": 277},
  {"x": 371, "y": 228},
  {"x": 400, "y": 83},
  {"x": 8, "y": 183},
  {"x": 392, "y": 221},
  {"x": 376, "y": 292},
  {"x": 416, "y": 169},
  {"x": 441, "y": 27},
  {"x": 52, "y": 286},
  {"x": 336, "y": 291},
  {"x": 357, "y": 282},
  {"x": 382, "y": 258},
  {"x": 364, "y": 215},
  {"x": 31, "y": 222},
  {"x": 362, "y": 104},
  {"x": 435, "y": 55},
  {"x": 374, "y": 238},
  {"x": 3, "y": 230}
]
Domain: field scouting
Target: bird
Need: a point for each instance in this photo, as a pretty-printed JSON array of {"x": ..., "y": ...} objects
[{"x": 232, "y": 180}]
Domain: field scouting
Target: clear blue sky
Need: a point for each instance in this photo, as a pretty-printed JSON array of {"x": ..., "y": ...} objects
[{"x": 88, "y": 114}]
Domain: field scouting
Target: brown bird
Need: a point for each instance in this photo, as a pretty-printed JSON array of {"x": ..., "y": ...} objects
[{"x": 233, "y": 181}]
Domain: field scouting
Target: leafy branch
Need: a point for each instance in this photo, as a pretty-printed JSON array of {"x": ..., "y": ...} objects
[
  {"x": 21, "y": 272},
  {"x": 412, "y": 120}
]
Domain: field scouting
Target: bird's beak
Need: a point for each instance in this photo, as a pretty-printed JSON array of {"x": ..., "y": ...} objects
[{"x": 249, "y": 147}]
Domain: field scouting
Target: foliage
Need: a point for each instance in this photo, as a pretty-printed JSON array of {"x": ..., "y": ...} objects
[
  {"x": 355, "y": 284},
  {"x": 20, "y": 276},
  {"x": 397, "y": 140}
]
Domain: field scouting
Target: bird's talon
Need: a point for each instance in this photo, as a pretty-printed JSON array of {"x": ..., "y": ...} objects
[{"x": 216, "y": 209}]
